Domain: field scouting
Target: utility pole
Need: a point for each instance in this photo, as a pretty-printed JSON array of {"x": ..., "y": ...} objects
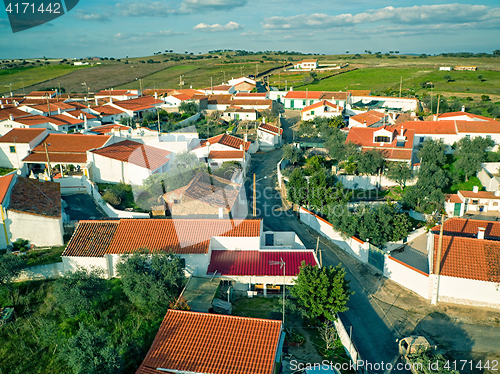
[
  {"x": 158, "y": 112},
  {"x": 212, "y": 85},
  {"x": 48, "y": 160},
  {"x": 400, "y": 86},
  {"x": 438, "y": 262},
  {"x": 254, "y": 197},
  {"x": 437, "y": 110}
]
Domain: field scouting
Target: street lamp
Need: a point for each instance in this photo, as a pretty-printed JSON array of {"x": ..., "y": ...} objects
[{"x": 282, "y": 264}]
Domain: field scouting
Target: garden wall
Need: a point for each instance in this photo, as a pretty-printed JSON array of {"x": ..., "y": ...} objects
[{"x": 368, "y": 182}]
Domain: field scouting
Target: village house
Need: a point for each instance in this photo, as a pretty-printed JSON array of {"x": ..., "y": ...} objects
[
  {"x": 127, "y": 162},
  {"x": 17, "y": 144},
  {"x": 31, "y": 210},
  {"x": 302, "y": 99},
  {"x": 219, "y": 102},
  {"x": 41, "y": 95},
  {"x": 11, "y": 113},
  {"x": 464, "y": 202},
  {"x": 225, "y": 147},
  {"x": 391, "y": 103},
  {"x": 48, "y": 109},
  {"x": 107, "y": 113},
  {"x": 228, "y": 345},
  {"x": 395, "y": 144},
  {"x": 252, "y": 104},
  {"x": 372, "y": 118},
  {"x": 135, "y": 108},
  {"x": 240, "y": 114},
  {"x": 323, "y": 109},
  {"x": 117, "y": 95},
  {"x": 252, "y": 96},
  {"x": 308, "y": 64},
  {"x": 269, "y": 135},
  {"x": 462, "y": 116},
  {"x": 468, "y": 268},
  {"x": 221, "y": 89}
]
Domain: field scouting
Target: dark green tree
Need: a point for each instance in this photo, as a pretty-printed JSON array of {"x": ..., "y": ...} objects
[
  {"x": 81, "y": 291},
  {"x": 186, "y": 160},
  {"x": 10, "y": 268},
  {"x": 399, "y": 172},
  {"x": 151, "y": 282},
  {"x": 370, "y": 162},
  {"x": 293, "y": 154},
  {"x": 189, "y": 107},
  {"x": 90, "y": 352},
  {"x": 470, "y": 154},
  {"x": 297, "y": 187},
  {"x": 322, "y": 292}
]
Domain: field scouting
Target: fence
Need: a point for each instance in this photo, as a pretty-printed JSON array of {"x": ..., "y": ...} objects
[
  {"x": 41, "y": 272},
  {"x": 346, "y": 339},
  {"x": 71, "y": 184},
  {"x": 93, "y": 191},
  {"x": 396, "y": 270},
  {"x": 368, "y": 182}
]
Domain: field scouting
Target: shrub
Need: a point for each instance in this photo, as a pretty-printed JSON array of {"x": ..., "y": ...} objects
[
  {"x": 111, "y": 198},
  {"x": 20, "y": 245}
]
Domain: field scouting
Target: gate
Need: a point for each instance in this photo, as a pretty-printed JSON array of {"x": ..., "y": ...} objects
[{"x": 376, "y": 257}]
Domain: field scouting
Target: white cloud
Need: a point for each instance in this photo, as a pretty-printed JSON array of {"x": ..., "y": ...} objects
[
  {"x": 230, "y": 26},
  {"x": 195, "y": 6},
  {"x": 161, "y": 8},
  {"x": 409, "y": 16},
  {"x": 91, "y": 16}
]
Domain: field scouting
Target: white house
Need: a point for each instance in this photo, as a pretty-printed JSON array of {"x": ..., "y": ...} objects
[
  {"x": 117, "y": 94},
  {"x": 128, "y": 162},
  {"x": 308, "y": 64},
  {"x": 108, "y": 113},
  {"x": 252, "y": 104},
  {"x": 468, "y": 271},
  {"x": 372, "y": 118},
  {"x": 31, "y": 210},
  {"x": 323, "y": 109},
  {"x": 269, "y": 135},
  {"x": 221, "y": 89},
  {"x": 445, "y": 68},
  {"x": 462, "y": 116},
  {"x": 238, "y": 113},
  {"x": 48, "y": 109},
  {"x": 41, "y": 94},
  {"x": 219, "y": 102},
  {"x": 221, "y": 142},
  {"x": 399, "y": 104},
  {"x": 17, "y": 144},
  {"x": 472, "y": 201},
  {"x": 136, "y": 108},
  {"x": 302, "y": 99}
]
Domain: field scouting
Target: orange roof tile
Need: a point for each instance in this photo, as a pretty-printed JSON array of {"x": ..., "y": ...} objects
[
  {"x": 219, "y": 99},
  {"x": 72, "y": 143},
  {"x": 135, "y": 153},
  {"x": 469, "y": 227},
  {"x": 224, "y": 344},
  {"x": 140, "y": 103},
  {"x": 470, "y": 115},
  {"x": 360, "y": 92},
  {"x": 334, "y": 95},
  {"x": 481, "y": 127},
  {"x": 370, "y": 117},
  {"x": 5, "y": 113},
  {"x": 32, "y": 120},
  {"x": 310, "y": 95},
  {"x": 453, "y": 198},
  {"x": 55, "y": 158},
  {"x": 21, "y": 135},
  {"x": 35, "y": 197},
  {"x": 4, "y": 185},
  {"x": 112, "y": 93},
  {"x": 229, "y": 140},
  {"x": 479, "y": 195},
  {"x": 469, "y": 258},
  {"x": 183, "y": 236},
  {"x": 250, "y": 94},
  {"x": 226, "y": 154},
  {"x": 240, "y": 102},
  {"x": 92, "y": 238},
  {"x": 319, "y": 104},
  {"x": 107, "y": 110},
  {"x": 220, "y": 87},
  {"x": 107, "y": 128},
  {"x": 430, "y": 127},
  {"x": 270, "y": 128}
]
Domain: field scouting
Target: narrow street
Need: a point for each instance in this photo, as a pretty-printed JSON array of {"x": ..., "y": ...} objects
[{"x": 380, "y": 311}]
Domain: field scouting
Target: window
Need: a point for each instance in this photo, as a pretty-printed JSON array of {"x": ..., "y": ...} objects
[
  {"x": 12, "y": 149},
  {"x": 475, "y": 202},
  {"x": 422, "y": 139},
  {"x": 269, "y": 240},
  {"x": 183, "y": 263},
  {"x": 303, "y": 102},
  {"x": 382, "y": 139},
  {"x": 311, "y": 102},
  {"x": 312, "y": 112}
]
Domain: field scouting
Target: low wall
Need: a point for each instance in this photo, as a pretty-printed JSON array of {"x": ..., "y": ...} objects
[
  {"x": 368, "y": 182},
  {"x": 346, "y": 339},
  {"x": 41, "y": 272},
  {"x": 407, "y": 276},
  {"x": 189, "y": 120},
  {"x": 93, "y": 191},
  {"x": 71, "y": 184},
  {"x": 469, "y": 292}
]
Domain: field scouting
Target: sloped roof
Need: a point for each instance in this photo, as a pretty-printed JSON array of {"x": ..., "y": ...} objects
[
  {"x": 469, "y": 227},
  {"x": 470, "y": 115},
  {"x": 225, "y": 154},
  {"x": 4, "y": 185},
  {"x": 213, "y": 344},
  {"x": 481, "y": 127},
  {"x": 251, "y": 94},
  {"x": 240, "y": 102},
  {"x": 479, "y": 195},
  {"x": 228, "y": 140},
  {"x": 183, "y": 236},
  {"x": 334, "y": 95},
  {"x": 311, "y": 95},
  {"x": 220, "y": 87},
  {"x": 469, "y": 258},
  {"x": 219, "y": 99},
  {"x": 21, "y": 135},
  {"x": 107, "y": 110},
  {"x": 430, "y": 127},
  {"x": 5, "y": 113},
  {"x": 371, "y": 117},
  {"x": 256, "y": 263},
  {"x": 107, "y": 128},
  {"x": 35, "y": 197},
  {"x": 270, "y": 128},
  {"x": 140, "y": 103},
  {"x": 33, "y": 120},
  {"x": 112, "y": 93},
  {"x": 320, "y": 104},
  {"x": 135, "y": 153}
]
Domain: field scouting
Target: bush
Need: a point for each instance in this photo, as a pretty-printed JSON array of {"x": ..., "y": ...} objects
[
  {"x": 20, "y": 245},
  {"x": 112, "y": 198}
]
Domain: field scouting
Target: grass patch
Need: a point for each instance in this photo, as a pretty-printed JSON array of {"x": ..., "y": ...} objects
[
  {"x": 119, "y": 195},
  {"x": 4, "y": 171},
  {"x": 44, "y": 256},
  {"x": 466, "y": 186},
  {"x": 256, "y": 307}
]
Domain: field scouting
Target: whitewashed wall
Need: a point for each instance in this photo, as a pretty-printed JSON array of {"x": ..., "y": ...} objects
[
  {"x": 40, "y": 231},
  {"x": 72, "y": 263},
  {"x": 227, "y": 242},
  {"x": 407, "y": 276},
  {"x": 71, "y": 184},
  {"x": 469, "y": 291},
  {"x": 369, "y": 182}
]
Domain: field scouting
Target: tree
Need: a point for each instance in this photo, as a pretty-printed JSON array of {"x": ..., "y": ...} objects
[
  {"x": 10, "y": 268},
  {"x": 322, "y": 292},
  {"x": 337, "y": 121},
  {"x": 297, "y": 187},
  {"x": 292, "y": 153},
  {"x": 471, "y": 153},
  {"x": 90, "y": 352},
  {"x": 151, "y": 282},
  {"x": 485, "y": 98},
  {"x": 186, "y": 160},
  {"x": 399, "y": 172},
  {"x": 189, "y": 107},
  {"x": 370, "y": 161},
  {"x": 80, "y": 291}
]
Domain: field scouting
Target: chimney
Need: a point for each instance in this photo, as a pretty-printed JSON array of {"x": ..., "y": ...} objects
[
  {"x": 11, "y": 117},
  {"x": 245, "y": 138},
  {"x": 480, "y": 232},
  {"x": 156, "y": 96},
  {"x": 364, "y": 123},
  {"x": 85, "y": 122},
  {"x": 110, "y": 100},
  {"x": 1, "y": 101},
  {"x": 264, "y": 120},
  {"x": 96, "y": 103},
  {"x": 402, "y": 130},
  {"x": 241, "y": 147},
  {"x": 463, "y": 108},
  {"x": 2, "y": 106},
  {"x": 475, "y": 189},
  {"x": 58, "y": 110}
]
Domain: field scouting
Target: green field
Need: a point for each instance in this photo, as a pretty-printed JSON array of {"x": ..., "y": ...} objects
[{"x": 29, "y": 76}]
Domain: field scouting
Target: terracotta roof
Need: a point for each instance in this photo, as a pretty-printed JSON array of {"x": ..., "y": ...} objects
[
  {"x": 240, "y": 102},
  {"x": 220, "y": 87},
  {"x": 430, "y": 127},
  {"x": 270, "y": 128},
  {"x": 311, "y": 95},
  {"x": 21, "y": 135},
  {"x": 183, "y": 236},
  {"x": 53, "y": 107},
  {"x": 112, "y": 93},
  {"x": 219, "y": 99},
  {"x": 213, "y": 344},
  {"x": 469, "y": 227},
  {"x": 256, "y": 263},
  {"x": 140, "y": 103},
  {"x": 225, "y": 154},
  {"x": 92, "y": 238},
  {"x": 251, "y": 94},
  {"x": 459, "y": 114},
  {"x": 182, "y": 97},
  {"x": 334, "y": 96},
  {"x": 469, "y": 258},
  {"x": 320, "y": 104},
  {"x": 107, "y": 128},
  {"x": 5, "y": 113},
  {"x": 107, "y": 110},
  {"x": 35, "y": 197},
  {"x": 360, "y": 92},
  {"x": 4, "y": 185},
  {"x": 228, "y": 140},
  {"x": 479, "y": 195},
  {"x": 310, "y": 60},
  {"x": 77, "y": 113},
  {"x": 135, "y": 153},
  {"x": 482, "y": 127},
  {"x": 363, "y": 136},
  {"x": 453, "y": 198},
  {"x": 60, "y": 157},
  {"x": 371, "y": 117},
  {"x": 64, "y": 118},
  {"x": 32, "y": 120}
]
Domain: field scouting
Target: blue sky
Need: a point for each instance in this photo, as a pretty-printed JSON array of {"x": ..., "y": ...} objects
[{"x": 120, "y": 28}]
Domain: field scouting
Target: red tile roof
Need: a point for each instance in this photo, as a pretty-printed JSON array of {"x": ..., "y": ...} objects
[
  {"x": 371, "y": 117},
  {"x": 270, "y": 128},
  {"x": 32, "y": 120},
  {"x": 453, "y": 198},
  {"x": 225, "y": 154},
  {"x": 135, "y": 153},
  {"x": 320, "y": 104},
  {"x": 360, "y": 92},
  {"x": 469, "y": 258},
  {"x": 5, "y": 113},
  {"x": 213, "y": 344},
  {"x": 107, "y": 110},
  {"x": 64, "y": 119},
  {"x": 459, "y": 114},
  {"x": 140, "y": 103},
  {"x": 77, "y": 113},
  {"x": 183, "y": 236},
  {"x": 107, "y": 128},
  {"x": 363, "y": 136},
  {"x": 259, "y": 102},
  {"x": 55, "y": 158},
  {"x": 92, "y": 238},
  {"x": 182, "y": 97},
  {"x": 228, "y": 140},
  {"x": 4, "y": 185},
  {"x": 219, "y": 99},
  {"x": 430, "y": 127},
  {"x": 334, "y": 96},
  {"x": 250, "y": 94},
  {"x": 310, "y": 95},
  {"x": 34, "y": 197},
  {"x": 469, "y": 228},
  {"x": 112, "y": 93},
  {"x": 220, "y": 87},
  {"x": 479, "y": 195},
  {"x": 478, "y": 127},
  {"x": 21, "y": 135},
  {"x": 256, "y": 263},
  {"x": 41, "y": 93}
]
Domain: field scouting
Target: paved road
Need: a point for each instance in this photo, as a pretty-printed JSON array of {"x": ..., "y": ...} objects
[
  {"x": 380, "y": 311},
  {"x": 82, "y": 206}
]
